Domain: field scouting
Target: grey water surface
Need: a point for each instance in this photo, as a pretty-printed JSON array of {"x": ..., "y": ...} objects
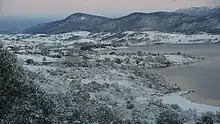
[{"x": 202, "y": 77}]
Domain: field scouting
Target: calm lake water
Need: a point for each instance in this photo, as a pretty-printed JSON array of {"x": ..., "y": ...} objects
[{"x": 202, "y": 77}]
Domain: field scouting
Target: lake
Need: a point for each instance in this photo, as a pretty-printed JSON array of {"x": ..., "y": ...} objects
[{"x": 202, "y": 77}]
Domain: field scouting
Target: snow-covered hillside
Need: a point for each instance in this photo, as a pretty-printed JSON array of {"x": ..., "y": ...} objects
[
  {"x": 196, "y": 11},
  {"x": 123, "y": 86},
  {"x": 151, "y": 37},
  {"x": 76, "y": 81}
]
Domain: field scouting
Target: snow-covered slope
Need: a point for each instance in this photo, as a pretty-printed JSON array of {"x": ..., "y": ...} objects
[
  {"x": 144, "y": 21},
  {"x": 209, "y": 23},
  {"x": 95, "y": 87},
  {"x": 196, "y": 11},
  {"x": 74, "y": 22}
]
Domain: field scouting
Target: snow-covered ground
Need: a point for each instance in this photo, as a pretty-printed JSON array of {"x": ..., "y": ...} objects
[
  {"x": 177, "y": 38},
  {"x": 126, "y": 38},
  {"x": 116, "y": 84},
  {"x": 179, "y": 59},
  {"x": 186, "y": 104},
  {"x": 36, "y": 58},
  {"x": 153, "y": 37},
  {"x": 150, "y": 60},
  {"x": 119, "y": 80}
]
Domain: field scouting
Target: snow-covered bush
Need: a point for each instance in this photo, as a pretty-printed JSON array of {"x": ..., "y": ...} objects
[
  {"x": 30, "y": 61},
  {"x": 112, "y": 53},
  {"x": 163, "y": 60},
  {"x": 218, "y": 117},
  {"x": 93, "y": 87},
  {"x": 21, "y": 100},
  {"x": 84, "y": 64},
  {"x": 169, "y": 117},
  {"x": 78, "y": 106},
  {"x": 1, "y": 44},
  {"x": 69, "y": 62},
  {"x": 138, "y": 116},
  {"x": 139, "y": 53},
  {"x": 189, "y": 115},
  {"x": 129, "y": 104},
  {"x": 9, "y": 79},
  {"x": 121, "y": 54},
  {"x": 107, "y": 59},
  {"x": 153, "y": 80},
  {"x": 138, "y": 60},
  {"x": 175, "y": 107},
  {"x": 207, "y": 120},
  {"x": 127, "y": 60},
  {"x": 44, "y": 59},
  {"x": 45, "y": 51},
  {"x": 75, "y": 62},
  {"x": 118, "y": 60},
  {"x": 85, "y": 57}
]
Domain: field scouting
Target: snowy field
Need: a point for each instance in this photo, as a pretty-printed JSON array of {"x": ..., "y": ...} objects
[{"x": 119, "y": 39}]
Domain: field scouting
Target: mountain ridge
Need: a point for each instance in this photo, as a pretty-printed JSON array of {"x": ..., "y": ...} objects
[
  {"x": 156, "y": 21},
  {"x": 196, "y": 11},
  {"x": 74, "y": 22}
]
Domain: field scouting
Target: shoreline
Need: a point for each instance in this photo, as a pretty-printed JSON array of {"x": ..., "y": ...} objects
[
  {"x": 186, "y": 104},
  {"x": 194, "y": 97}
]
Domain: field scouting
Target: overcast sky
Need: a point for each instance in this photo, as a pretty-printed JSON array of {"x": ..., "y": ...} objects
[{"x": 101, "y": 7}]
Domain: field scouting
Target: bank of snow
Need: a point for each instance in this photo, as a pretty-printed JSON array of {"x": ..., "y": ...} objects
[
  {"x": 187, "y": 104},
  {"x": 178, "y": 59}
]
